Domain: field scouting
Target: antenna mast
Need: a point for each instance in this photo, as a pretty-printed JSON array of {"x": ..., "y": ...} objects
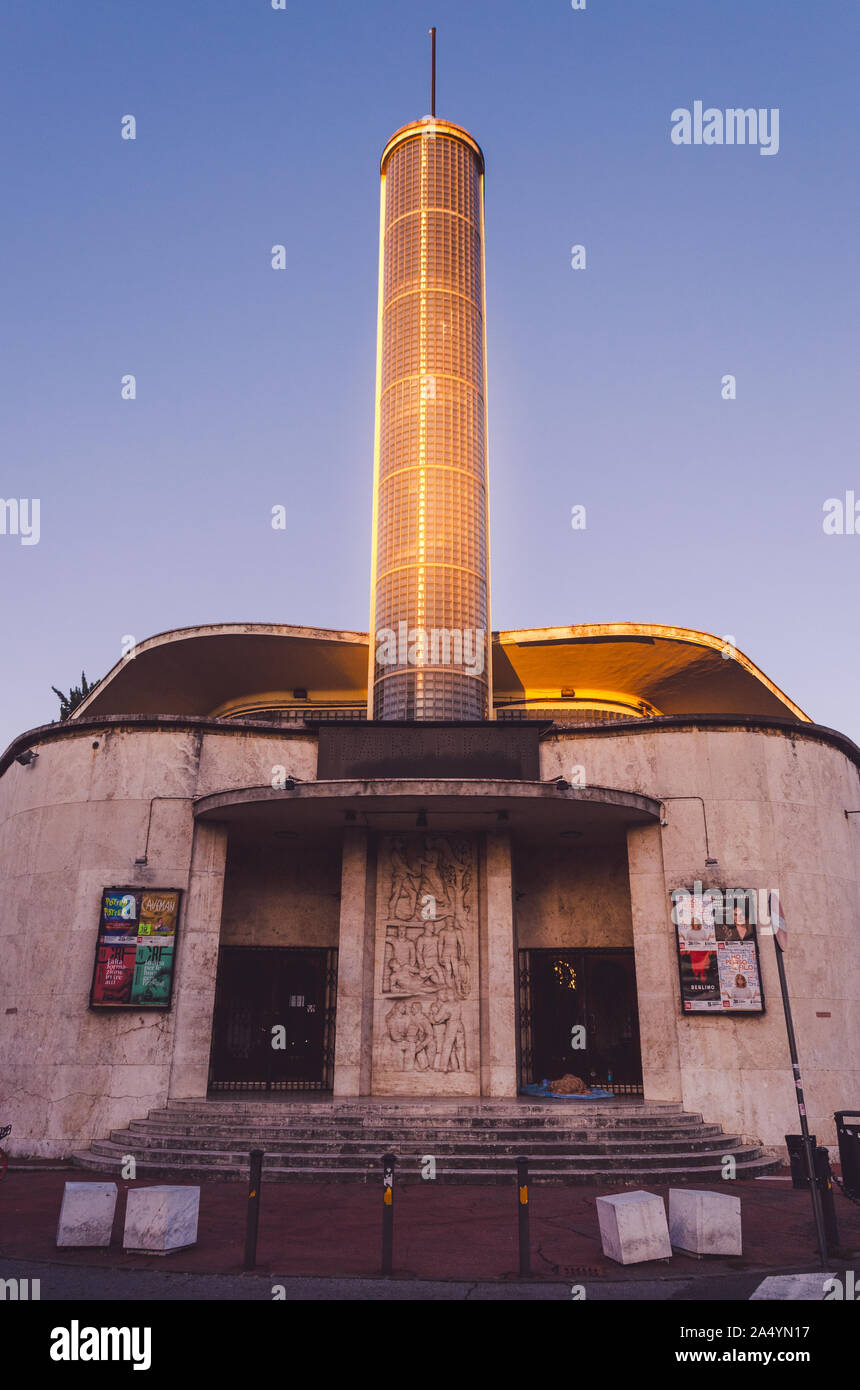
[{"x": 433, "y": 73}]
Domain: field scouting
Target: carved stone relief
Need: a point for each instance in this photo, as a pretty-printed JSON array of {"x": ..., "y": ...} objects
[{"x": 426, "y": 1023}]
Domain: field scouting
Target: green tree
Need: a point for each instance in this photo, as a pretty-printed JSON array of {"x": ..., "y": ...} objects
[{"x": 70, "y": 702}]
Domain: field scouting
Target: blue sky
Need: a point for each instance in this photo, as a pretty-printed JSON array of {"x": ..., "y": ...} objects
[{"x": 255, "y": 387}]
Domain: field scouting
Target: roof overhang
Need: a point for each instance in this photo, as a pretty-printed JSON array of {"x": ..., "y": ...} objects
[
  {"x": 391, "y": 804},
  {"x": 231, "y": 669}
]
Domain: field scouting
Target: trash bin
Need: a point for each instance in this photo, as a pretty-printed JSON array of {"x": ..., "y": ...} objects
[
  {"x": 797, "y": 1159},
  {"x": 848, "y": 1133}
]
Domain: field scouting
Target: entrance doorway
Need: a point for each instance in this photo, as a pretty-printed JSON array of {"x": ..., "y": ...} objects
[
  {"x": 262, "y": 989},
  {"x": 593, "y": 990}
]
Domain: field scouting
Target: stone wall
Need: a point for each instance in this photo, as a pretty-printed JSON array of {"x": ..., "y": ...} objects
[
  {"x": 773, "y": 805},
  {"x": 282, "y": 892},
  {"x": 766, "y": 805},
  {"x": 572, "y": 897},
  {"x": 72, "y": 823}
]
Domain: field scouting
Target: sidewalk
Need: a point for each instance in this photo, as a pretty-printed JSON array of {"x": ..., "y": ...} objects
[{"x": 448, "y": 1233}]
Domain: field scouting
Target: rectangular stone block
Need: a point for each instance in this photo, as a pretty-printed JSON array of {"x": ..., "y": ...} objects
[
  {"x": 633, "y": 1227},
  {"x": 161, "y": 1219},
  {"x": 794, "y": 1288},
  {"x": 705, "y": 1223},
  {"x": 86, "y": 1214}
]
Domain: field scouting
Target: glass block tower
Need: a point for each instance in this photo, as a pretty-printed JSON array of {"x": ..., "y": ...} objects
[{"x": 430, "y": 608}]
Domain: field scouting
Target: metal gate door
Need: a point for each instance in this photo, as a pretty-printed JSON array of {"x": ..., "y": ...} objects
[
  {"x": 274, "y": 1022},
  {"x": 593, "y": 990}
]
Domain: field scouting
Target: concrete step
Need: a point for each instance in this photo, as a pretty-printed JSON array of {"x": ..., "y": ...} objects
[
  {"x": 286, "y": 1117},
  {"x": 471, "y": 1142},
  {"x": 324, "y": 1160},
  {"x": 419, "y": 1134},
  {"x": 375, "y": 1144},
  {"x": 553, "y": 1112},
  {"x": 757, "y": 1167}
]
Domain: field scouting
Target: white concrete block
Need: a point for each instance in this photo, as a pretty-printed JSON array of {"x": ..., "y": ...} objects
[
  {"x": 86, "y": 1215},
  {"x": 161, "y": 1219},
  {"x": 793, "y": 1288},
  {"x": 633, "y": 1227},
  {"x": 705, "y": 1223}
]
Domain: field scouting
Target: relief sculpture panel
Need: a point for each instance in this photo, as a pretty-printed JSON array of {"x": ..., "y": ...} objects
[{"x": 426, "y": 992}]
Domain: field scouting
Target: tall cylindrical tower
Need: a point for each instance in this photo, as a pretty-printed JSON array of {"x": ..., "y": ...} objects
[{"x": 430, "y": 604}]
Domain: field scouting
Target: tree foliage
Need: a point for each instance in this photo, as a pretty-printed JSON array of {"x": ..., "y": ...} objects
[{"x": 78, "y": 693}]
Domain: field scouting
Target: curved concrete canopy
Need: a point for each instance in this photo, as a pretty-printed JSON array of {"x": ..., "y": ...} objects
[
  {"x": 231, "y": 669},
  {"x": 539, "y": 808}
]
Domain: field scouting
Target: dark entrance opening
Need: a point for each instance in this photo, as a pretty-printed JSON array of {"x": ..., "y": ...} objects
[
  {"x": 264, "y": 988},
  {"x": 594, "y": 990}
]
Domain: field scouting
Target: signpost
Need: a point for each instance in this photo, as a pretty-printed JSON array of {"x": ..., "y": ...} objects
[{"x": 780, "y": 936}]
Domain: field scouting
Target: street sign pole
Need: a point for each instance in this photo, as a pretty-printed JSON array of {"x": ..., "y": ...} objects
[{"x": 780, "y": 942}]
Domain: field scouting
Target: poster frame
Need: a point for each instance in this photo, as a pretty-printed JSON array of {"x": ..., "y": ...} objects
[
  {"x": 721, "y": 1012},
  {"x": 138, "y": 890}
]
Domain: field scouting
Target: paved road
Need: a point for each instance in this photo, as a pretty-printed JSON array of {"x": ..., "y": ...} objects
[{"x": 60, "y": 1282}]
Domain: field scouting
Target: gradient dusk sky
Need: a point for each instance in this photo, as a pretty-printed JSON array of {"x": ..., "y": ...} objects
[{"x": 255, "y": 387}]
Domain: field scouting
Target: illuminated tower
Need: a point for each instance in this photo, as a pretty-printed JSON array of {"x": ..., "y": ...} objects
[{"x": 430, "y": 606}]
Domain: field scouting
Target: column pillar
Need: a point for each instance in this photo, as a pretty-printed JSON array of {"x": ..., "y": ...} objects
[
  {"x": 656, "y": 965},
  {"x": 498, "y": 984},
  {"x": 354, "y": 1022},
  {"x": 197, "y": 964}
]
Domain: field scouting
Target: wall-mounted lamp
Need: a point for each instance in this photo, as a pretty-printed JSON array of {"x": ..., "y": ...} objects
[{"x": 25, "y": 759}]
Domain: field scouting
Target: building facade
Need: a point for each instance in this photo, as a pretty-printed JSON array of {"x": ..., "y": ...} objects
[
  {"x": 264, "y": 858},
  {"x": 426, "y": 910}
]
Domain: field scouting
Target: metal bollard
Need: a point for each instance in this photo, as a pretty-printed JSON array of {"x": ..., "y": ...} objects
[
  {"x": 388, "y": 1164},
  {"x": 525, "y": 1244},
  {"x": 253, "y": 1216}
]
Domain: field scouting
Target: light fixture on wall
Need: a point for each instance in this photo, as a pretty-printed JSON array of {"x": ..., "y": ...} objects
[{"x": 25, "y": 759}]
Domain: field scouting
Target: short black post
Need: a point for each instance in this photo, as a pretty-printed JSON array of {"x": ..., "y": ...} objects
[
  {"x": 388, "y": 1165},
  {"x": 253, "y": 1217},
  {"x": 523, "y": 1208},
  {"x": 824, "y": 1178}
]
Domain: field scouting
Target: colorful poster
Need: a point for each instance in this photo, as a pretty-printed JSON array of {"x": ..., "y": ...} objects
[
  {"x": 135, "y": 949},
  {"x": 120, "y": 912},
  {"x": 114, "y": 973},
  {"x": 153, "y": 973},
  {"x": 740, "y": 987},
  {"x": 718, "y": 962},
  {"x": 158, "y": 913},
  {"x": 700, "y": 982}
]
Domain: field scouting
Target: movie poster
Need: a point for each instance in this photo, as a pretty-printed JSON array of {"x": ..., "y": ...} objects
[
  {"x": 740, "y": 987},
  {"x": 135, "y": 949},
  {"x": 700, "y": 982},
  {"x": 718, "y": 963}
]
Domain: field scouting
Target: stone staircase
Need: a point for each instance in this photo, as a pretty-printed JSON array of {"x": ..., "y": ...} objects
[{"x": 623, "y": 1140}]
